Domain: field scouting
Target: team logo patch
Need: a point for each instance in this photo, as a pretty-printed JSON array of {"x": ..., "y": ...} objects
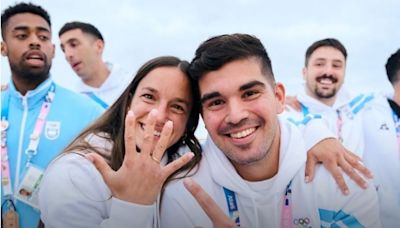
[{"x": 52, "y": 130}]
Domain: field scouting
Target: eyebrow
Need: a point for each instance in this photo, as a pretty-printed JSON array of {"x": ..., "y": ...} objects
[
  {"x": 251, "y": 84},
  {"x": 243, "y": 87},
  {"x": 25, "y": 28},
  {"x": 180, "y": 100}
]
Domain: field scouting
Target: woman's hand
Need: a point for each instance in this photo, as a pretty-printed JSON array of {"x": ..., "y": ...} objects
[{"x": 141, "y": 176}]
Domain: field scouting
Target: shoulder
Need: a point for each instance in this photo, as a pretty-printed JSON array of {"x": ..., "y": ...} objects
[
  {"x": 68, "y": 97},
  {"x": 73, "y": 174}
]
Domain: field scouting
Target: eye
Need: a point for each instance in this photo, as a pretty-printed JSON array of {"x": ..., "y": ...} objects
[
  {"x": 21, "y": 36},
  {"x": 250, "y": 94},
  {"x": 178, "y": 108},
  {"x": 147, "y": 96},
  {"x": 43, "y": 38},
  {"x": 214, "y": 104}
]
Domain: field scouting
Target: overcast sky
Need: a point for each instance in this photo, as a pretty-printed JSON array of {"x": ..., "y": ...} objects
[{"x": 136, "y": 31}]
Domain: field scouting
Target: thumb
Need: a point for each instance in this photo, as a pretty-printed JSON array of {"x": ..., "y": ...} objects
[
  {"x": 101, "y": 165},
  {"x": 310, "y": 168}
]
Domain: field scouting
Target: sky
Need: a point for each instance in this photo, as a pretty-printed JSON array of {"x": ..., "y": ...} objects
[{"x": 136, "y": 31}]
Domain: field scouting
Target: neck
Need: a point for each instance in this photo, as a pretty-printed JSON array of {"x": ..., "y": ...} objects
[
  {"x": 265, "y": 168},
  {"x": 23, "y": 86},
  {"x": 98, "y": 76}
]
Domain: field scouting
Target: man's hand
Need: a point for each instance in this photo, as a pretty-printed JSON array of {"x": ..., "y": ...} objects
[
  {"x": 216, "y": 215},
  {"x": 292, "y": 102},
  {"x": 332, "y": 154}
]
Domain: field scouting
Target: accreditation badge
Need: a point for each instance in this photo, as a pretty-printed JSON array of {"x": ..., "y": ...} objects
[{"x": 28, "y": 189}]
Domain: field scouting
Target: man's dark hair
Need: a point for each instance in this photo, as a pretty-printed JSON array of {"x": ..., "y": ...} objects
[
  {"x": 328, "y": 42},
  {"x": 22, "y": 8},
  {"x": 85, "y": 27},
  {"x": 393, "y": 67},
  {"x": 220, "y": 50}
]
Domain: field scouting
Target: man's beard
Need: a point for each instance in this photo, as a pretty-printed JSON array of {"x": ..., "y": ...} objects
[
  {"x": 325, "y": 95},
  {"x": 29, "y": 74}
]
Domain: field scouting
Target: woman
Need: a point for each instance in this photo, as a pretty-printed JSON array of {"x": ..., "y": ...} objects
[{"x": 126, "y": 145}]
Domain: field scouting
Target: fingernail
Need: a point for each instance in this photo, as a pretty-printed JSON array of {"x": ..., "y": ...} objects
[
  {"x": 307, "y": 179},
  {"x": 187, "y": 182},
  {"x": 346, "y": 192},
  {"x": 153, "y": 112},
  {"x": 169, "y": 124},
  {"x": 365, "y": 185}
]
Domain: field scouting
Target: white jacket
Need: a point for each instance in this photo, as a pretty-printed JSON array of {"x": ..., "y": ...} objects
[
  {"x": 74, "y": 194},
  {"x": 382, "y": 156},
  {"x": 260, "y": 203},
  {"x": 112, "y": 87}
]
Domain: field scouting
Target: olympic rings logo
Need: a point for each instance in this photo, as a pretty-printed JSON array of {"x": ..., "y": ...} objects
[{"x": 301, "y": 221}]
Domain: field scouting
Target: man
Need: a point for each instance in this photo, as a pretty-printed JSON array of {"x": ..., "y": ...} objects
[
  {"x": 253, "y": 163},
  {"x": 350, "y": 117},
  {"x": 83, "y": 46},
  {"x": 382, "y": 135},
  {"x": 39, "y": 118}
]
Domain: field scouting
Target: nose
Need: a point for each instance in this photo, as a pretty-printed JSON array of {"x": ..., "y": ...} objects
[
  {"x": 236, "y": 112},
  {"x": 68, "y": 53},
  {"x": 328, "y": 69},
  {"x": 162, "y": 114},
  {"x": 34, "y": 42}
]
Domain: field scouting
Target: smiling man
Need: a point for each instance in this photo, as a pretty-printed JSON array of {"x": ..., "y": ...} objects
[
  {"x": 254, "y": 161},
  {"x": 38, "y": 117}
]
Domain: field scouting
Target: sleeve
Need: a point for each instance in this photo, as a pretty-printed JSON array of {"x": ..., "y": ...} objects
[
  {"x": 313, "y": 127},
  {"x": 73, "y": 194}
]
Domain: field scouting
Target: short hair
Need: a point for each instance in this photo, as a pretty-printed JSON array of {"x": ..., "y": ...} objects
[
  {"x": 22, "y": 8},
  {"x": 220, "y": 50},
  {"x": 328, "y": 42},
  {"x": 393, "y": 67},
  {"x": 85, "y": 27}
]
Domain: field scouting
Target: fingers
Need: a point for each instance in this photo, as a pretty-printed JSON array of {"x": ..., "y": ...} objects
[
  {"x": 178, "y": 163},
  {"x": 355, "y": 161},
  {"x": 130, "y": 136},
  {"x": 101, "y": 165},
  {"x": 310, "y": 168},
  {"x": 162, "y": 144},
  {"x": 216, "y": 215},
  {"x": 148, "y": 137},
  {"x": 350, "y": 171},
  {"x": 337, "y": 175}
]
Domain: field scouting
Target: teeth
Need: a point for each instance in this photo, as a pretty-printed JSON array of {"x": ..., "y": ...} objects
[
  {"x": 326, "y": 81},
  {"x": 157, "y": 133},
  {"x": 243, "y": 134}
]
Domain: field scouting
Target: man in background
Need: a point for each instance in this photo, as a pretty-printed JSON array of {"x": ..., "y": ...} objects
[
  {"x": 83, "y": 46},
  {"x": 38, "y": 117}
]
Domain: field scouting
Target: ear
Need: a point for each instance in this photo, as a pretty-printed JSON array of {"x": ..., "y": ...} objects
[
  {"x": 4, "y": 51},
  {"x": 304, "y": 71},
  {"x": 99, "y": 46},
  {"x": 54, "y": 51},
  {"x": 280, "y": 97}
]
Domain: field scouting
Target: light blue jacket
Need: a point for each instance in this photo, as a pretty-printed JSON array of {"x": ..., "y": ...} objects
[{"x": 69, "y": 114}]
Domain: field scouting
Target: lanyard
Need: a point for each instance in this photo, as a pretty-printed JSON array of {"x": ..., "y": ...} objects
[
  {"x": 286, "y": 215},
  {"x": 31, "y": 151}
]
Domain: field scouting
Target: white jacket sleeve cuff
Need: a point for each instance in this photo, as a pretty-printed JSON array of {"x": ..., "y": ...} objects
[{"x": 126, "y": 214}]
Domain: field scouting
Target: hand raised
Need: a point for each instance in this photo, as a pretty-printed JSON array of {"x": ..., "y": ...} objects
[
  {"x": 141, "y": 176},
  {"x": 216, "y": 215}
]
